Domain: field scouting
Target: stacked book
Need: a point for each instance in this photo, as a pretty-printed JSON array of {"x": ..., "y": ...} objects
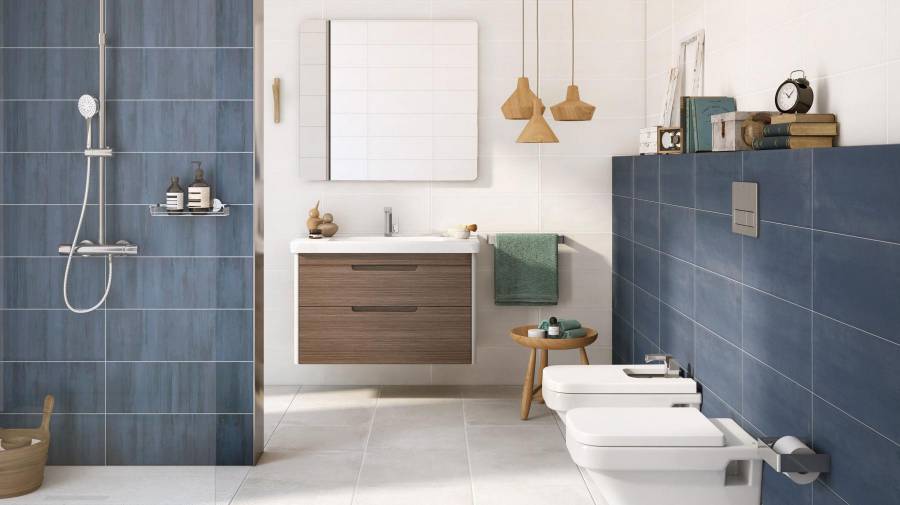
[{"x": 798, "y": 131}]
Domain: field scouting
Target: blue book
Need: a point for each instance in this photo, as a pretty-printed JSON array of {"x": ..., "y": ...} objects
[{"x": 696, "y": 115}]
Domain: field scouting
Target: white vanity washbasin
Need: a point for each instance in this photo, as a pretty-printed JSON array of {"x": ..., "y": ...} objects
[{"x": 373, "y": 244}]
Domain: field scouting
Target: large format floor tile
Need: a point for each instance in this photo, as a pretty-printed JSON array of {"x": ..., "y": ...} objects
[{"x": 396, "y": 445}]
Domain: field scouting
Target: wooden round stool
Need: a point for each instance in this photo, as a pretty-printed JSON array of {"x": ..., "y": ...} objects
[{"x": 520, "y": 335}]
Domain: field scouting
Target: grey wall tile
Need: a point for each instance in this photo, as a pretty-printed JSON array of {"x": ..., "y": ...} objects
[
  {"x": 622, "y": 338},
  {"x": 44, "y": 179},
  {"x": 646, "y": 178},
  {"x": 42, "y": 127},
  {"x": 824, "y": 496},
  {"x": 144, "y": 178},
  {"x": 623, "y": 257},
  {"x": 168, "y": 126},
  {"x": 646, "y": 223},
  {"x": 779, "y": 262},
  {"x": 38, "y": 229},
  {"x": 717, "y": 248},
  {"x": 234, "y": 388},
  {"x": 76, "y": 387},
  {"x": 779, "y": 334},
  {"x": 718, "y": 304},
  {"x": 676, "y": 284},
  {"x": 643, "y": 346},
  {"x": 779, "y": 490},
  {"x": 856, "y": 191},
  {"x": 173, "y": 335},
  {"x": 622, "y": 298},
  {"x": 677, "y": 232},
  {"x": 48, "y": 23},
  {"x": 785, "y": 184},
  {"x": 37, "y": 283},
  {"x": 77, "y": 438},
  {"x": 161, "y": 73},
  {"x": 676, "y": 180},
  {"x": 623, "y": 216},
  {"x": 646, "y": 315},
  {"x": 713, "y": 407},
  {"x": 864, "y": 466},
  {"x": 623, "y": 175},
  {"x": 50, "y": 335},
  {"x": 862, "y": 382},
  {"x": 717, "y": 364},
  {"x": 773, "y": 403},
  {"x": 856, "y": 282},
  {"x": 646, "y": 269},
  {"x": 38, "y": 73},
  {"x": 161, "y": 439},
  {"x": 160, "y": 23},
  {"x": 183, "y": 283},
  {"x": 181, "y": 236},
  {"x": 234, "y": 439},
  {"x": 676, "y": 335},
  {"x": 714, "y": 173}
]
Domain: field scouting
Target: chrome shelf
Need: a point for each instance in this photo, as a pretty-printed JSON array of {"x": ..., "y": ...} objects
[{"x": 161, "y": 211}]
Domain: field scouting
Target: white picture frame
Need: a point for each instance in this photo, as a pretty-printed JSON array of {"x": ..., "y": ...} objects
[{"x": 690, "y": 64}]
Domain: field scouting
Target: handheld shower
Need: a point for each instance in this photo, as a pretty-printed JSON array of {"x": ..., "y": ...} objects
[{"x": 88, "y": 107}]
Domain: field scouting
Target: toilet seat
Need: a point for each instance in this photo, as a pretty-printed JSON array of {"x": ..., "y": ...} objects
[{"x": 630, "y": 427}]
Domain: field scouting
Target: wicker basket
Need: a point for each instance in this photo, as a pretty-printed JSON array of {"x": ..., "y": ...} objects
[{"x": 21, "y": 463}]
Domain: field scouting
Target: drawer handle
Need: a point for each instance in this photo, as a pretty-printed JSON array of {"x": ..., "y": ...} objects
[
  {"x": 385, "y": 268},
  {"x": 387, "y": 308}
]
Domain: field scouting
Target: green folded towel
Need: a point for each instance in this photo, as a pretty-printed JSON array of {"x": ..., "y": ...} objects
[
  {"x": 564, "y": 324},
  {"x": 576, "y": 333},
  {"x": 525, "y": 269}
]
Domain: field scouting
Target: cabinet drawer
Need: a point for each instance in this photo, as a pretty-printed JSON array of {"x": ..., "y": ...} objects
[
  {"x": 385, "y": 334},
  {"x": 393, "y": 280}
]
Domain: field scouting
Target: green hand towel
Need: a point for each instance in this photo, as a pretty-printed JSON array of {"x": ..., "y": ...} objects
[
  {"x": 525, "y": 269},
  {"x": 576, "y": 333},
  {"x": 564, "y": 324}
]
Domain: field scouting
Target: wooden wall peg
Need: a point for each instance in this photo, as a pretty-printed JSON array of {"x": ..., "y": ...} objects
[{"x": 276, "y": 96}]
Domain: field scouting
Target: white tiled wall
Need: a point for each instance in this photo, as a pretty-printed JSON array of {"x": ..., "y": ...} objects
[
  {"x": 849, "y": 50},
  {"x": 561, "y": 188}
]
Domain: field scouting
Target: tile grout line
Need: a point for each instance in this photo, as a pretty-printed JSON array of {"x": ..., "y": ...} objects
[
  {"x": 365, "y": 451},
  {"x": 468, "y": 450}
]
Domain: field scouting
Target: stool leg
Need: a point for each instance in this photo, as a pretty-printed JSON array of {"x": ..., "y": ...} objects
[
  {"x": 529, "y": 385},
  {"x": 545, "y": 359},
  {"x": 584, "y": 358}
]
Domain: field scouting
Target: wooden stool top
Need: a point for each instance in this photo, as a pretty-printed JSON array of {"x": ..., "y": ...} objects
[{"x": 520, "y": 335}]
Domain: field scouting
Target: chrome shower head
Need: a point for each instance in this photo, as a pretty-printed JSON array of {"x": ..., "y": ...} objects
[{"x": 88, "y": 106}]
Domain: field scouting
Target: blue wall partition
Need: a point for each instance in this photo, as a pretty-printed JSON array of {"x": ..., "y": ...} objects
[
  {"x": 796, "y": 332},
  {"x": 162, "y": 374}
]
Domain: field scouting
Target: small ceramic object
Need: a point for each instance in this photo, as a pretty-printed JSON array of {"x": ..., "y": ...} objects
[
  {"x": 537, "y": 333},
  {"x": 456, "y": 233},
  {"x": 313, "y": 222},
  {"x": 327, "y": 226}
]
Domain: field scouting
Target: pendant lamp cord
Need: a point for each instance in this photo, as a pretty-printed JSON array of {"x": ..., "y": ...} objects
[
  {"x": 573, "y": 42},
  {"x": 537, "y": 41},
  {"x": 523, "y": 38}
]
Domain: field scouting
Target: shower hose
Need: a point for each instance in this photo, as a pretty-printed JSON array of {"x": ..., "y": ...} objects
[{"x": 87, "y": 188}]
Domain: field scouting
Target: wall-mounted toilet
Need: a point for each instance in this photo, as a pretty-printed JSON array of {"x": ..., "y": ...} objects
[
  {"x": 567, "y": 387},
  {"x": 648, "y": 456}
]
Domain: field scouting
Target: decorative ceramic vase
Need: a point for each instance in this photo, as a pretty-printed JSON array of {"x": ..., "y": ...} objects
[{"x": 327, "y": 226}]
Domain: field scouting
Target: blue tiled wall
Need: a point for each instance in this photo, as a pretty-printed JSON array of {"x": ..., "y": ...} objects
[
  {"x": 795, "y": 332},
  {"x": 163, "y": 373}
]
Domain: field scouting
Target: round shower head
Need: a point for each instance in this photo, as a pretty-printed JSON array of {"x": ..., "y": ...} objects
[{"x": 88, "y": 106}]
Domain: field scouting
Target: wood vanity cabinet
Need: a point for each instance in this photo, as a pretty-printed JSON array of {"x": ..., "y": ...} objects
[{"x": 384, "y": 308}]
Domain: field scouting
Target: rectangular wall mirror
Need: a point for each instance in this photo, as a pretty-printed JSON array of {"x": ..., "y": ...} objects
[{"x": 402, "y": 100}]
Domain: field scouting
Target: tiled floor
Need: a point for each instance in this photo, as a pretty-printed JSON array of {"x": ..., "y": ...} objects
[{"x": 391, "y": 445}]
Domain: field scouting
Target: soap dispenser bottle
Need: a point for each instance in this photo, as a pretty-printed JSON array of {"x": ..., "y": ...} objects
[
  {"x": 175, "y": 196},
  {"x": 199, "y": 194}
]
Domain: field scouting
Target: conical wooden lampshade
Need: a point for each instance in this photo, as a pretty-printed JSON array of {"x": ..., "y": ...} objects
[
  {"x": 520, "y": 102},
  {"x": 572, "y": 108},
  {"x": 537, "y": 130}
]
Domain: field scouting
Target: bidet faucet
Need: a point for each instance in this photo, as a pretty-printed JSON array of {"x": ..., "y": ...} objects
[{"x": 671, "y": 363}]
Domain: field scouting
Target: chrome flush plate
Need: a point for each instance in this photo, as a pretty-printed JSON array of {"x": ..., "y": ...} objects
[{"x": 745, "y": 209}]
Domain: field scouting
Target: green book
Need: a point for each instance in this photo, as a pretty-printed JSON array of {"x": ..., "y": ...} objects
[
  {"x": 697, "y": 113},
  {"x": 789, "y": 142}
]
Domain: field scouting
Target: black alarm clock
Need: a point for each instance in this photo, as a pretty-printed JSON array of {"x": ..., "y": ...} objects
[{"x": 794, "y": 95}]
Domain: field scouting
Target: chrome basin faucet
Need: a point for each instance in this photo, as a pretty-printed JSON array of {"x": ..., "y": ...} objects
[
  {"x": 388, "y": 222},
  {"x": 672, "y": 365}
]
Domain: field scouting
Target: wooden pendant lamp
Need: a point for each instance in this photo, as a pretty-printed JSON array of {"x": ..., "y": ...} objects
[
  {"x": 520, "y": 102},
  {"x": 537, "y": 130},
  {"x": 572, "y": 108}
]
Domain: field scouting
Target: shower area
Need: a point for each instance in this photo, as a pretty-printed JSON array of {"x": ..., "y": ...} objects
[{"x": 146, "y": 328}]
